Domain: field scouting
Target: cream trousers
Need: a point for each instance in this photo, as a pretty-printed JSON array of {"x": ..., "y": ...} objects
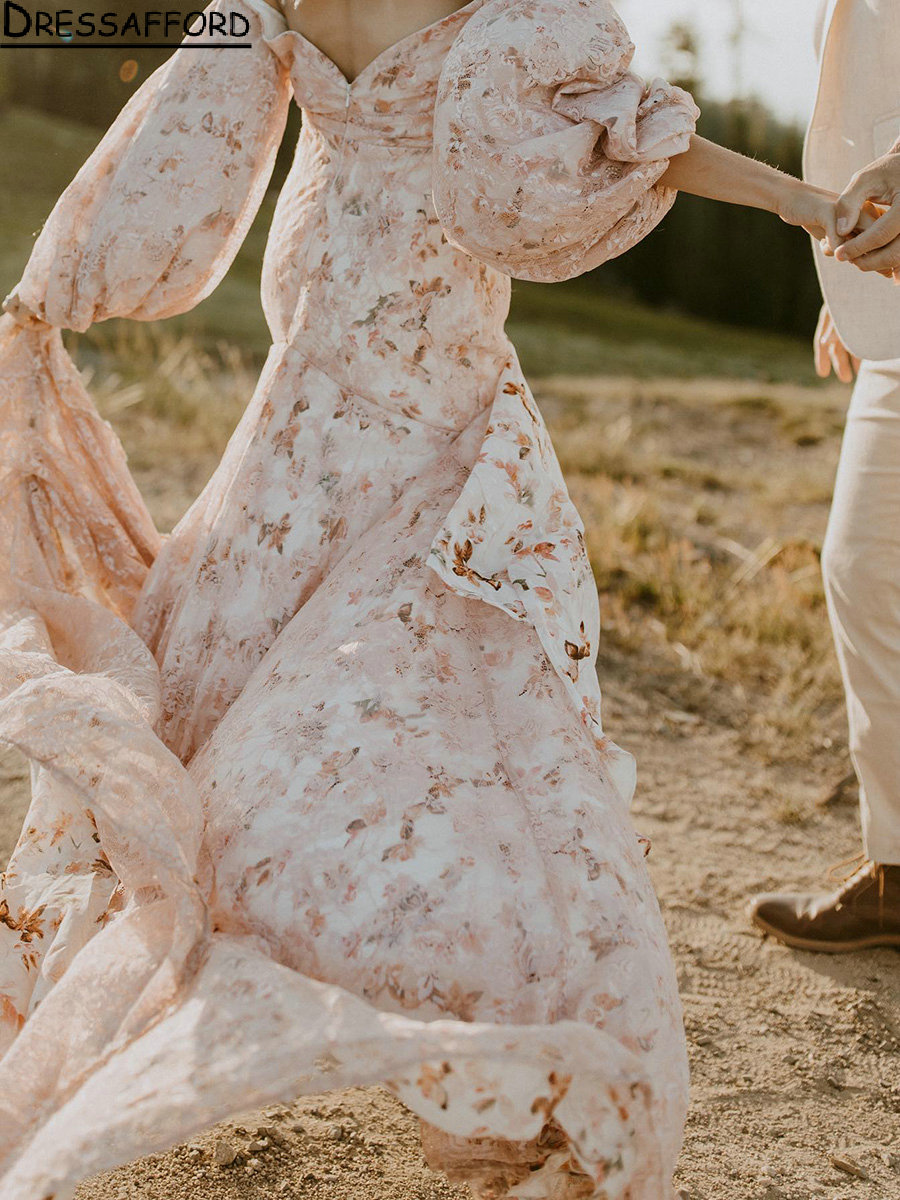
[{"x": 861, "y": 566}]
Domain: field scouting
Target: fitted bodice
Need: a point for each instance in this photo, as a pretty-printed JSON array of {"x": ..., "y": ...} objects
[
  {"x": 358, "y": 272},
  {"x": 391, "y": 100}
]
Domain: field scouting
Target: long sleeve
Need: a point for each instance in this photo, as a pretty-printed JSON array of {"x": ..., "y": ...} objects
[
  {"x": 548, "y": 148},
  {"x": 154, "y": 218},
  {"x": 147, "y": 228}
]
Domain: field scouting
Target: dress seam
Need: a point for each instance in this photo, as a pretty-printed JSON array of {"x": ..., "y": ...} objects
[
  {"x": 395, "y": 413},
  {"x": 321, "y": 215}
]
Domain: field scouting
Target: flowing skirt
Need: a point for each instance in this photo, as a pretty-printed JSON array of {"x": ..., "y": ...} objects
[{"x": 396, "y": 852}]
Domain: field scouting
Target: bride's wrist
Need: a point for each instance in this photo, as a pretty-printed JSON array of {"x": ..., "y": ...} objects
[
  {"x": 790, "y": 195},
  {"x": 758, "y": 185}
]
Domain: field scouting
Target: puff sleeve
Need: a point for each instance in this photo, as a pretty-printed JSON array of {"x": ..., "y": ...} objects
[
  {"x": 156, "y": 215},
  {"x": 147, "y": 229},
  {"x": 548, "y": 148}
]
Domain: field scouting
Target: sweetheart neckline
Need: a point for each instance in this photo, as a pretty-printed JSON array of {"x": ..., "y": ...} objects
[{"x": 350, "y": 84}]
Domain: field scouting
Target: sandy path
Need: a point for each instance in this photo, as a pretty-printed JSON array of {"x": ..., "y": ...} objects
[{"x": 794, "y": 1055}]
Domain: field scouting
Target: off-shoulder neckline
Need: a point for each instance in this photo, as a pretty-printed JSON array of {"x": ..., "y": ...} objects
[{"x": 388, "y": 51}]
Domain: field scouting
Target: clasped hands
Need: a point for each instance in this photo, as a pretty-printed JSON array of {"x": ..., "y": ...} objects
[
  {"x": 865, "y": 233},
  {"x": 862, "y": 225},
  {"x": 871, "y": 244}
]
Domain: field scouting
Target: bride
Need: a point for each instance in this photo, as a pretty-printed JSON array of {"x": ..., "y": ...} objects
[{"x": 320, "y": 790}]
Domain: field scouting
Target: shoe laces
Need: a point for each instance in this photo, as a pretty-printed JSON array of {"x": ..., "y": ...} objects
[
  {"x": 852, "y": 867},
  {"x": 842, "y": 872}
]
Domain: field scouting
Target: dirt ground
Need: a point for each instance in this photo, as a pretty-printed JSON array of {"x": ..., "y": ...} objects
[{"x": 741, "y": 751}]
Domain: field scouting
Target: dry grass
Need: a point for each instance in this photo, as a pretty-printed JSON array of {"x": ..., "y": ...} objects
[{"x": 706, "y": 504}]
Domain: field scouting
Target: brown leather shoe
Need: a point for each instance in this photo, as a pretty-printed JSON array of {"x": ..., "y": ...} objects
[{"x": 864, "y": 912}]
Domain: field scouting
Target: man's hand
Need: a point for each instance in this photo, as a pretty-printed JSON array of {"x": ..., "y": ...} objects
[
  {"x": 878, "y": 247},
  {"x": 830, "y": 351}
]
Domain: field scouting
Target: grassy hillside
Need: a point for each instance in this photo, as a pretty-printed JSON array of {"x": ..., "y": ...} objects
[{"x": 566, "y": 329}]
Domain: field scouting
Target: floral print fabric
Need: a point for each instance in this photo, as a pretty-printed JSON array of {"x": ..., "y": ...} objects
[
  {"x": 321, "y": 794},
  {"x": 553, "y": 147}
]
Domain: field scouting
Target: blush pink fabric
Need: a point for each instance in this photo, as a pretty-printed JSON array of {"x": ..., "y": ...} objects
[{"x": 321, "y": 794}]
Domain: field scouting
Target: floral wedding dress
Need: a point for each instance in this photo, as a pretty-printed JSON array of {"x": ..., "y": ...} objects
[{"x": 320, "y": 791}]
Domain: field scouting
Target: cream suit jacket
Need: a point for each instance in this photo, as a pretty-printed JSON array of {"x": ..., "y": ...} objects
[{"x": 856, "y": 119}]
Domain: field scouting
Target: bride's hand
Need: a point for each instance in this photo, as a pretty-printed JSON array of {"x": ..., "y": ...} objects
[{"x": 812, "y": 209}]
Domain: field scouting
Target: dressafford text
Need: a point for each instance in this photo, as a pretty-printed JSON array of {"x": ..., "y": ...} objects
[{"x": 63, "y": 26}]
